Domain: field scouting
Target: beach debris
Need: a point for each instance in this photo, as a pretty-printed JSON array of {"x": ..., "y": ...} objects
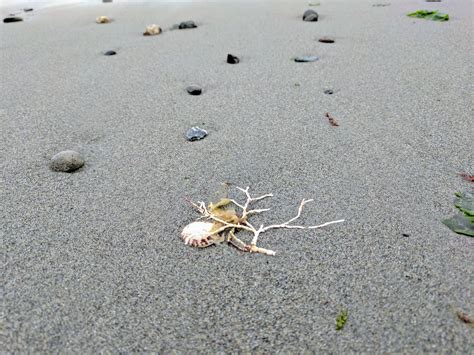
[
  {"x": 331, "y": 120},
  {"x": 28, "y": 9},
  {"x": 328, "y": 92},
  {"x": 110, "y": 53},
  {"x": 462, "y": 223},
  {"x": 381, "y": 5},
  {"x": 195, "y": 134},
  {"x": 467, "y": 177},
  {"x": 232, "y": 59},
  {"x": 314, "y": 3},
  {"x": 310, "y": 16},
  {"x": 341, "y": 319},
  {"x": 433, "y": 0},
  {"x": 227, "y": 222},
  {"x": 102, "y": 19},
  {"x": 198, "y": 234},
  {"x": 306, "y": 59},
  {"x": 106, "y": 0},
  {"x": 465, "y": 318},
  {"x": 152, "y": 30},
  {"x": 12, "y": 19},
  {"x": 433, "y": 15},
  {"x": 66, "y": 161},
  {"x": 187, "y": 24},
  {"x": 326, "y": 40},
  {"x": 194, "y": 90},
  {"x": 406, "y": 235}
]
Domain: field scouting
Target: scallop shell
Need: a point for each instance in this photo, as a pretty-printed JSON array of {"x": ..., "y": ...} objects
[
  {"x": 152, "y": 30},
  {"x": 198, "y": 234},
  {"x": 102, "y": 19}
]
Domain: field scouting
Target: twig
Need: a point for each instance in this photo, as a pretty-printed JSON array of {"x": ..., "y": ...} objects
[{"x": 332, "y": 120}]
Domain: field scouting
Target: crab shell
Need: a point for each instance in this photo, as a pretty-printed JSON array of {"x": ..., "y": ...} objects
[{"x": 198, "y": 234}]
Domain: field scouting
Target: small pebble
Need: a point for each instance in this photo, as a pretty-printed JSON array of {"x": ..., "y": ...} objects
[
  {"x": 195, "y": 134},
  {"x": 232, "y": 59},
  {"x": 194, "y": 90},
  {"x": 67, "y": 161},
  {"x": 326, "y": 40},
  {"x": 310, "y": 16},
  {"x": 106, "y": 0},
  {"x": 102, "y": 19},
  {"x": 328, "y": 92},
  {"x": 187, "y": 24},
  {"x": 28, "y": 9},
  {"x": 12, "y": 19},
  {"x": 110, "y": 53},
  {"x": 306, "y": 58}
]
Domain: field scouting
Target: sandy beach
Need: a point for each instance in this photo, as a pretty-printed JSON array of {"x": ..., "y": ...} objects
[{"x": 93, "y": 260}]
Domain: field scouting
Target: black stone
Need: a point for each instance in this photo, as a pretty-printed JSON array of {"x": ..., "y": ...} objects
[
  {"x": 187, "y": 24},
  {"x": 306, "y": 59},
  {"x": 232, "y": 59},
  {"x": 12, "y": 19},
  {"x": 195, "y": 134},
  {"x": 194, "y": 90},
  {"x": 110, "y": 53},
  {"x": 328, "y": 92},
  {"x": 310, "y": 16},
  {"x": 326, "y": 40}
]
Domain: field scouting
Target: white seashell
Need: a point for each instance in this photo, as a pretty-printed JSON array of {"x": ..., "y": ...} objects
[
  {"x": 152, "y": 30},
  {"x": 102, "y": 19},
  {"x": 198, "y": 234}
]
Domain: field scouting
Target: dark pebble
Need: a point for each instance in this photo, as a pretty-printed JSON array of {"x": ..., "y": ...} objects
[
  {"x": 110, "y": 53},
  {"x": 326, "y": 40},
  {"x": 310, "y": 16},
  {"x": 187, "y": 24},
  {"x": 306, "y": 58},
  {"x": 406, "y": 235},
  {"x": 328, "y": 92},
  {"x": 195, "y": 134},
  {"x": 194, "y": 90},
  {"x": 28, "y": 9},
  {"x": 12, "y": 19},
  {"x": 232, "y": 59}
]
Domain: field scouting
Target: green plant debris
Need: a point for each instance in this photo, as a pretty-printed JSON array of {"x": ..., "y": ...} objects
[
  {"x": 462, "y": 223},
  {"x": 314, "y": 3},
  {"x": 341, "y": 319},
  {"x": 429, "y": 15}
]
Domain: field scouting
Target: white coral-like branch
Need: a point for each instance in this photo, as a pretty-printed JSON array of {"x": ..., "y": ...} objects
[{"x": 244, "y": 224}]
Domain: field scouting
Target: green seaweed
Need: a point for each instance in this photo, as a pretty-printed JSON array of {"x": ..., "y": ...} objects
[
  {"x": 341, "y": 319},
  {"x": 462, "y": 223},
  {"x": 429, "y": 15}
]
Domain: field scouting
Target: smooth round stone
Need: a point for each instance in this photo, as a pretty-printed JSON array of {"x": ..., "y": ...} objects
[
  {"x": 306, "y": 59},
  {"x": 328, "y": 92},
  {"x": 232, "y": 59},
  {"x": 195, "y": 134},
  {"x": 12, "y": 19},
  {"x": 194, "y": 90},
  {"x": 326, "y": 40},
  {"x": 187, "y": 24},
  {"x": 110, "y": 53},
  {"x": 310, "y": 16},
  {"x": 67, "y": 161}
]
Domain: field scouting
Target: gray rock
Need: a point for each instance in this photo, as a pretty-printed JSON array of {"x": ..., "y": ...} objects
[
  {"x": 67, "y": 161},
  {"x": 110, "y": 53},
  {"x": 306, "y": 58},
  {"x": 310, "y": 16},
  {"x": 187, "y": 24},
  {"x": 195, "y": 134},
  {"x": 194, "y": 90}
]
